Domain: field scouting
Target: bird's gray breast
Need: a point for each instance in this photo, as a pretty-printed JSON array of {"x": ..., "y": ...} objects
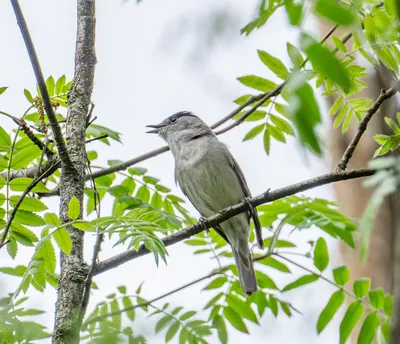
[{"x": 203, "y": 171}]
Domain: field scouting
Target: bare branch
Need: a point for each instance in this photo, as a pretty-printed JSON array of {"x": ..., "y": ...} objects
[
  {"x": 362, "y": 126},
  {"x": 62, "y": 150},
  {"x": 229, "y": 212},
  {"x": 32, "y": 171}
]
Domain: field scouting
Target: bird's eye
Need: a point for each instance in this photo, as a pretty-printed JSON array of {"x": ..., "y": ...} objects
[{"x": 173, "y": 119}]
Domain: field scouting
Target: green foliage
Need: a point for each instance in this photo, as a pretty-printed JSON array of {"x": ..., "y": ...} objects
[
  {"x": 389, "y": 142},
  {"x": 385, "y": 180},
  {"x": 144, "y": 210}
]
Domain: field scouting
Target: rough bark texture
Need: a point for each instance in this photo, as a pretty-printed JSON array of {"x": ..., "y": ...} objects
[
  {"x": 382, "y": 264},
  {"x": 73, "y": 268}
]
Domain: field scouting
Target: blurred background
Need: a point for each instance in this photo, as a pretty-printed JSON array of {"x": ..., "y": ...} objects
[{"x": 156, "y": 58}]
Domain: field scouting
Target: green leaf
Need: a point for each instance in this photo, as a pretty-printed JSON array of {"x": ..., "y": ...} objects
[
  {"x": 241, "y": 307},
  {"x": 82, "y": 225},
  {"x": 20, "y": 184},
  {"x": 46, "y": 251},
  {"x": 321, "y": 255},
  {"x": 60, "y": 84},
  {"x": 323, "y": 60},
  {"x": 274, "y": 263},
  {"x": 303, "y": 280},
  {"x": 163, "y": 322},
  {"x": 361, "y": 287},
  {"x": 50, "y": 86},
  {"x": 5, "y": 141},
  {"x": 294, "y": 55},
  {"x": 273, "y": 305},
  {"x": 377, "y": 298},
  {"x": 187, "y": 315},
  {"x": 341, "y": 275},
  {"x": 276, "y": 133},
  {"x": 350, "y": 320},
  {"x": 267, "y": 142},
  {"x": 63, "y": 240},
  {"x": 23, "y": 235},
  {"x": 219, "y": 323},
  {"x": 339, "y": 44},
  {"x": 282, "y": 124},
  {"x": 28, "y": 218},
  {"x": 332, "y": 10},
  {"x": 333, "y": 305},
  {"x": 216, "y": 283},
  {"x": 274, "y": 64},
  {"x": 306, "y": 116},
  {"x": 18, "y": 271},
  {"x": 143, "y": 193},
  {"x": 368, "y": 329},
  {"x": 28, "y": 96},
  {"x": 389, "y": 305},
  {"x": 28, "y": 204},
  {"x": 52, "y": 220},
  {"x": 264, "y": 281},
  {"x": 294, "y": 10},
  {"x": 254, "y": 132},
  {"x": 3, "y": 89},
  {"x": 24, "y": 157},
  {"x": 127, "y": 303},
  {"x": 235, "y": 320},
  {"x": 172, "y": 331},
  {"x": 137, "y": 171},
  {"x": 74, "y": 208},
  {"x": 257, "y": 82},
  {"x": 12, "y": 247}
]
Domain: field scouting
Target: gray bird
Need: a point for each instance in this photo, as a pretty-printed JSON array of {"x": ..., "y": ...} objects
[{"x": 212, "y": 180}]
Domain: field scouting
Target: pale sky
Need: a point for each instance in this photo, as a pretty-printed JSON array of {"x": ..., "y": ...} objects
[{"x": 155, "y": 59}]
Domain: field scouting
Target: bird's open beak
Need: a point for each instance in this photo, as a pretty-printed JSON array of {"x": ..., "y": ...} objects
[{"x": 156, "y": 127}]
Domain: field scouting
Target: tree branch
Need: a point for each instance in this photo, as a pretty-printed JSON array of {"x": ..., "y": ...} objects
[
  {"x": 62, "y": 150},
  {"x": 362, "y": 126},
  {"x": 229, "y": 212}
]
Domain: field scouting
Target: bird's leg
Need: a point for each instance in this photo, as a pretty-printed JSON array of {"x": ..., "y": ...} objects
[
  {"x": 249, "y": 206},
  {"x": 203, "y": 223}
]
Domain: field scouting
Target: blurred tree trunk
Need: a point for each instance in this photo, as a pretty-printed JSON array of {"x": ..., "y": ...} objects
[{"x": 381, "y": 265}]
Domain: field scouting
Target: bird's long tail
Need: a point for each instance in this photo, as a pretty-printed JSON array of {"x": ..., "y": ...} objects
[{"x": 245, "y": 268}]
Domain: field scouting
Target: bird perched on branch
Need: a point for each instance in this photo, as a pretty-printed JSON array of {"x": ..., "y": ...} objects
[{"x": 212, "y": 180}]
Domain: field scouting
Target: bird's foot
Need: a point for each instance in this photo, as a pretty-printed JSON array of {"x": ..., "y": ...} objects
[
  {"x": 250, "y": 207},
  {"x": 203, "y": 222}
]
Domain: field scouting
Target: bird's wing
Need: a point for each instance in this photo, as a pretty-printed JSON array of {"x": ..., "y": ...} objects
[
  {"x": 246, "y": 191},
  {"x": 217, "y": 228}
]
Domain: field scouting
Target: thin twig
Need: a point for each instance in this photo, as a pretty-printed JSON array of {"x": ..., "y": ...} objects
[
  {"x": 362, "y": 126},
  {"x": 62, "y": 150},
  {"x": 229, "y": 212},
  {"x": 28, "y": 189},
  {"x": 96, "y": 251},
  {"x": 28, "y": 132},
  {"x": 97, "y": 138}
]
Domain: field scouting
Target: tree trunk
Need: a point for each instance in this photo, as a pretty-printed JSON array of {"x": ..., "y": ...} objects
[{"x": 73, "y": 268}]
